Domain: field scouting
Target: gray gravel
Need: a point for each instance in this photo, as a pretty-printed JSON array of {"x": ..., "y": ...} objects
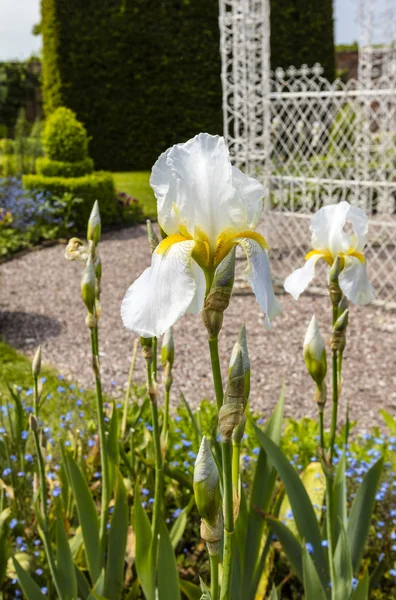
[{"x": 40, "y": 304}]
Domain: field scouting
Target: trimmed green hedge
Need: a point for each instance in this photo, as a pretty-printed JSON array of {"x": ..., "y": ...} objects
[
  {"x": 302, "y": 32},
  {"x": 144, "y": 75},
  {"x": 56, "y": 168},
  {"x": 95, "y": 186},
  {"x": 64, "y": 137}
]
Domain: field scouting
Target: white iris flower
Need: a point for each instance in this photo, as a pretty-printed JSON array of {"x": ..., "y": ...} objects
[
  {"x": 329, "y": 240},
  {"x": 205, "y": 206}
]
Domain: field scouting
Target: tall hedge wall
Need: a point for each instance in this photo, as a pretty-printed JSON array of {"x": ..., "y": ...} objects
[
  {"x": 302, "y": 32},
  {"x": 144, "y": 74},
  {"x": 141, "y": 75}
]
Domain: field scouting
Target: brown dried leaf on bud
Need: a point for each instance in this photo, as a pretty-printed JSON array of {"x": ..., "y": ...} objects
[
  {"x": 321, "y": 395},
  {"x": 90, "y": 321},
  {"x": 33, "y": 424},
  {"x": 229, "y": 417},
  {"x": 212, "y": 534}
]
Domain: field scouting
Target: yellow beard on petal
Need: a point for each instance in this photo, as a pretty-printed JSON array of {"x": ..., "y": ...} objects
[
  {"x": 228, "y": 238},
  {"x": 328, "y": 257}
]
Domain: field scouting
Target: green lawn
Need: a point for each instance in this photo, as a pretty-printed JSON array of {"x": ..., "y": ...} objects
[{"x": 137, "y": 184}]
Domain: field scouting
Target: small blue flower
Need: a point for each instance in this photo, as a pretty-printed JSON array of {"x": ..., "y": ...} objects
[
  {"x": 39, "y": 572},
  {"x": 7, "y": 471},
  {"x": 145, "y": 491},
  {"x": 79, "y": 402},
  {"x": 24, "y": 435},
  {"x": 13, "y": 523},
  {"x": 56, "y": 491},
  {"x": 324, "y": 543},
  {"x": 309, "y": 547}
]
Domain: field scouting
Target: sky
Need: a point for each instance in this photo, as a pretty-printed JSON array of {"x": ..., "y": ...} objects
[{"x": 17, "y": 18}]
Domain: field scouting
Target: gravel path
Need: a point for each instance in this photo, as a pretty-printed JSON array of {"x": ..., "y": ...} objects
[{"x": 40, "y": 304}]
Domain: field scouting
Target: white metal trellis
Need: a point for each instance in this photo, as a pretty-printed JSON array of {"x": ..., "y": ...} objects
[{"x": 310, "y": 141}]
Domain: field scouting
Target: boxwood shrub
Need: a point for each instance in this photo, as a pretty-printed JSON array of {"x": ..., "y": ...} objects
[
  {"x": 95, "y": 186},
  {"x": 57, "y": 168}
]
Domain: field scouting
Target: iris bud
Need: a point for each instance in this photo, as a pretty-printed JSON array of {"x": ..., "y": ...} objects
[
  {"x": 206, "y": 484},
  {"x": 88, "y": 285},
  {"x": 36, "y": 364},
  {"x": 152, "y": 236},
  {"x": 315, "y": 352},
  {"x": 168, "y": 348},
  {"x": 94, "y": 225},
  {"x": 219, "y": 294}
]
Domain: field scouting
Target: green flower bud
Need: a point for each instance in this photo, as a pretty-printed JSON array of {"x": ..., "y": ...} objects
[
  {"x": 342, "y": 322},
  {"x": 98, "y": 268},
  {"x": 334, "y": 288},
  {"x": 230, "y": 414},
  {"x": 33, "y": 424},
  {"x": 36, "y": 364},
  {"x": 94, "y": 225},
  {"x": 206, "y": 484},
  {"x": 242, "y": 345},
  {"x": 219, "y": 294},
  {"x": 315, "y": 352},
  {"x": 152, "y": 236},
  {"x": 88, "y": 283},
  {"x": 168, "y": 348},
  {"x": 238, "y": 433},
  {"x": 335, "y": 269}
]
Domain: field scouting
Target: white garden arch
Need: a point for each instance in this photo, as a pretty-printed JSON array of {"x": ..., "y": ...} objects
[{"x": 311, "y": 141}]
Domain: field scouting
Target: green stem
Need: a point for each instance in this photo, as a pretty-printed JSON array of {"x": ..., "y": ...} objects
[
  {"x": 226, "y": 453},
  {"x": 216, "y": 371},
  {"x": 236, "y": 453},
  {"x": 128, "y": 390},
  {"x": 43, "y": 494},
  {"x": 329, "y": 526},
  {"x": 321, "y": 431},
  {"x": 214, "y": 576},
  {"x": 159, "y": 472},
  {"x": 334, "y": 406},
  {"x": 103, "y": 441},
  {"x": 165, "y": 424},
  {"x": 154, "y": 364}
]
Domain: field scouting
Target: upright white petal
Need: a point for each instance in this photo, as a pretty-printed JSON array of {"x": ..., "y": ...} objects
[
  {"x": 162, "y": 294},
  {"x": 354, "y": 282},
  {"x": 359, "y": 221},
  {"x": 327, "y": 226},
  {"x": 258, "y": 274},
  {"x": 194, "y": 181},
  {"x": 247, "y": 204},
  {"x": 299, "y": 280}
]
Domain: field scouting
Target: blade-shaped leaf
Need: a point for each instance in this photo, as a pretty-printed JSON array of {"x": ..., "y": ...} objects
[
  {"x": 290, "y": 544},
  {"x": 144, "y": 563},
  {"x": 180, "y": 523},
  {"x": 389, "y": 420},
  {"x": 274, "y": 593},
  {"x": 117, "y": 543},
  {"x": 361, "y": 512},
  {"x": 87, "y": 516},
  {"x": 339, "y": 499},
  {"x": 205, "y": 590},
  {"x": 303, "y": 511},
  {"x": 361, "y": 592},
  {"x": 4, "y": 516},
  {"x": 312, "y": 585},
  {"x": 168, "y": 577},
  {"x": 29, "y": 587},
  {"x": 190, "y": 590},
  {"x": 342, "y": 566},
  {"x": 112, "y": 441},
  {"x": 82, "y": 584},
  {"x": 262, "y": 488},
  {"x": 194, "y": 423},
  {"x": 64, "y": 562}
]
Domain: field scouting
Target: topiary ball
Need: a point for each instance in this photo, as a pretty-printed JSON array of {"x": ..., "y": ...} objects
[{"x": 64, "y": 137}]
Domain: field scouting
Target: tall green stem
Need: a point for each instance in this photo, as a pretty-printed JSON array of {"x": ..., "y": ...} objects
[
  {"x": 214, "y": 576},
  {"x": 165, "y": 424},
  {"x": 226, "y": 453},
  {"x": 334, "y": 405},
  {"x": 128, "y": 390},
  {"x": 159, "y": 472},
  {"x": 43, "y": 494},
  {"x": 321, "y": 430},
  {"x": 102, "y": 439}
]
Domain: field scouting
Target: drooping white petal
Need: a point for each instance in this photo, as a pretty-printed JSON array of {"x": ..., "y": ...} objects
[
  {"x": 247, "y": 203},
  {"x": 354, "y": 282},
  {"x": 299, "y": 280},
  {"x": 327, "y": 226},
  {"x": 198, "y": 301},
  {"x": 162, "y": 294},
  {"x": 258, "y": 274}
]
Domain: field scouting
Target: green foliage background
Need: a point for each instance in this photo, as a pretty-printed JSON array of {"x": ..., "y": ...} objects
[{"x": 142, "y": 75}]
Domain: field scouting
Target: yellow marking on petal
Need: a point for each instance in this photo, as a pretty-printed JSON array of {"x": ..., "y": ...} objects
[
  {"x": 357, "y": 254},
  {"x": 164, "y": 246},
  {"x": 228, "y": 238},
  {"x": 201, "y": 254},
  {"x": 326, "y": 254},
  {"x": 328, "y": 257}
]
